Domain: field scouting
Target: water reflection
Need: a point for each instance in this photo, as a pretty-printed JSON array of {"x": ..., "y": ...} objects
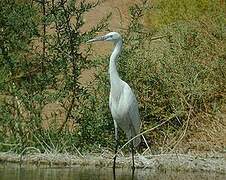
[
  {"x": 115, "y": 175},
  {"x": 11, "y": 172}
]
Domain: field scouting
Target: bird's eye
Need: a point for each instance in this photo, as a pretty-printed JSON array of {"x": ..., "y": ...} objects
[{"x": 111, "y": 36}]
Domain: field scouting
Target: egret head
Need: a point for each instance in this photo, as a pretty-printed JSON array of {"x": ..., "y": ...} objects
[{"x": 112, "y": 36}]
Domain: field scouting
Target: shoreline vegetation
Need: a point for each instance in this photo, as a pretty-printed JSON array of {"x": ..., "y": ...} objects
[
  {"x": 212, "y": 163},
  {"x": 179, "y": 80}
]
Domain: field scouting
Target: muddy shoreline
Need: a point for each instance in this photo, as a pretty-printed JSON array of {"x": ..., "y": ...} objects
[{"x": 175, "y": 162}]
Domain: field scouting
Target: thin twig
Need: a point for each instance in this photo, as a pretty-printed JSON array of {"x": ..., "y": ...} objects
[
  {"x": 184, "y": 132},
  {"x": 78, "y": 151},
  {"x": 26, "y": 149},
  {"x": 148, "y": 147},
  {"x": 148, "y": 130}
]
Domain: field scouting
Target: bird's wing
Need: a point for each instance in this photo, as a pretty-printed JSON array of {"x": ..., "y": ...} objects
[
  {"x": 132, "y": 107},
  {"x": 134, "y": 115},
  {"x": 132, "y": 111},
  {"x": 110, "y": 101}
]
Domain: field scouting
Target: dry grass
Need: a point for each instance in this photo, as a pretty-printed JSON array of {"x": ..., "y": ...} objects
[{"x": 206, "y": 134}]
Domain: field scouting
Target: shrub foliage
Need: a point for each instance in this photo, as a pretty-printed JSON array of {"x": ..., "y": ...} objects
[{"x": 176, "y": 78}]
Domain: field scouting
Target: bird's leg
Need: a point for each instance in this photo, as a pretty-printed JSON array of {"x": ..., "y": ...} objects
[
  {"x": 133, "y": 174},
  {"x": 116, "y": 144},
  {"x": 132, "y": 149}
]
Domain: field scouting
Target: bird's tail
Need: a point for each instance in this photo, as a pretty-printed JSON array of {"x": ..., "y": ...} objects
[
  {"x": 131, "y": 134},
  {"x": 136, "y": 141}
]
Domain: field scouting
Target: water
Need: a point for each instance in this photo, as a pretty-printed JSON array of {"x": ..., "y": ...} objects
[{"x": 15, "y": 172}]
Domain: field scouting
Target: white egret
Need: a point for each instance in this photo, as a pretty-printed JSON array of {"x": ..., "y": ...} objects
[{"x": 122, "y": 101}]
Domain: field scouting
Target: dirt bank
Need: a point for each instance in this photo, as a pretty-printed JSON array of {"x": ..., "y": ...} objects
[{"x": 175, "y": 162}]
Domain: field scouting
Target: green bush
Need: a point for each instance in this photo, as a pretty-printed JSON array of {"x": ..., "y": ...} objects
[
  {"x": 41, "y": 62},
  {"x": 178, "y": 77}
]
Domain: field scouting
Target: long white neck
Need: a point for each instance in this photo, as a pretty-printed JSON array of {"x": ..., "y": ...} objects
[{"x": 114, "y": 76}]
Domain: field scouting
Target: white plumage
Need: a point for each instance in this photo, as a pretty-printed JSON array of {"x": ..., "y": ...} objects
[{"x": 122, "y": 101}]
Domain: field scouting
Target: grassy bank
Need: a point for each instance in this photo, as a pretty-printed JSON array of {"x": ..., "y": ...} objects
[{"x": 179, "y": 79}]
